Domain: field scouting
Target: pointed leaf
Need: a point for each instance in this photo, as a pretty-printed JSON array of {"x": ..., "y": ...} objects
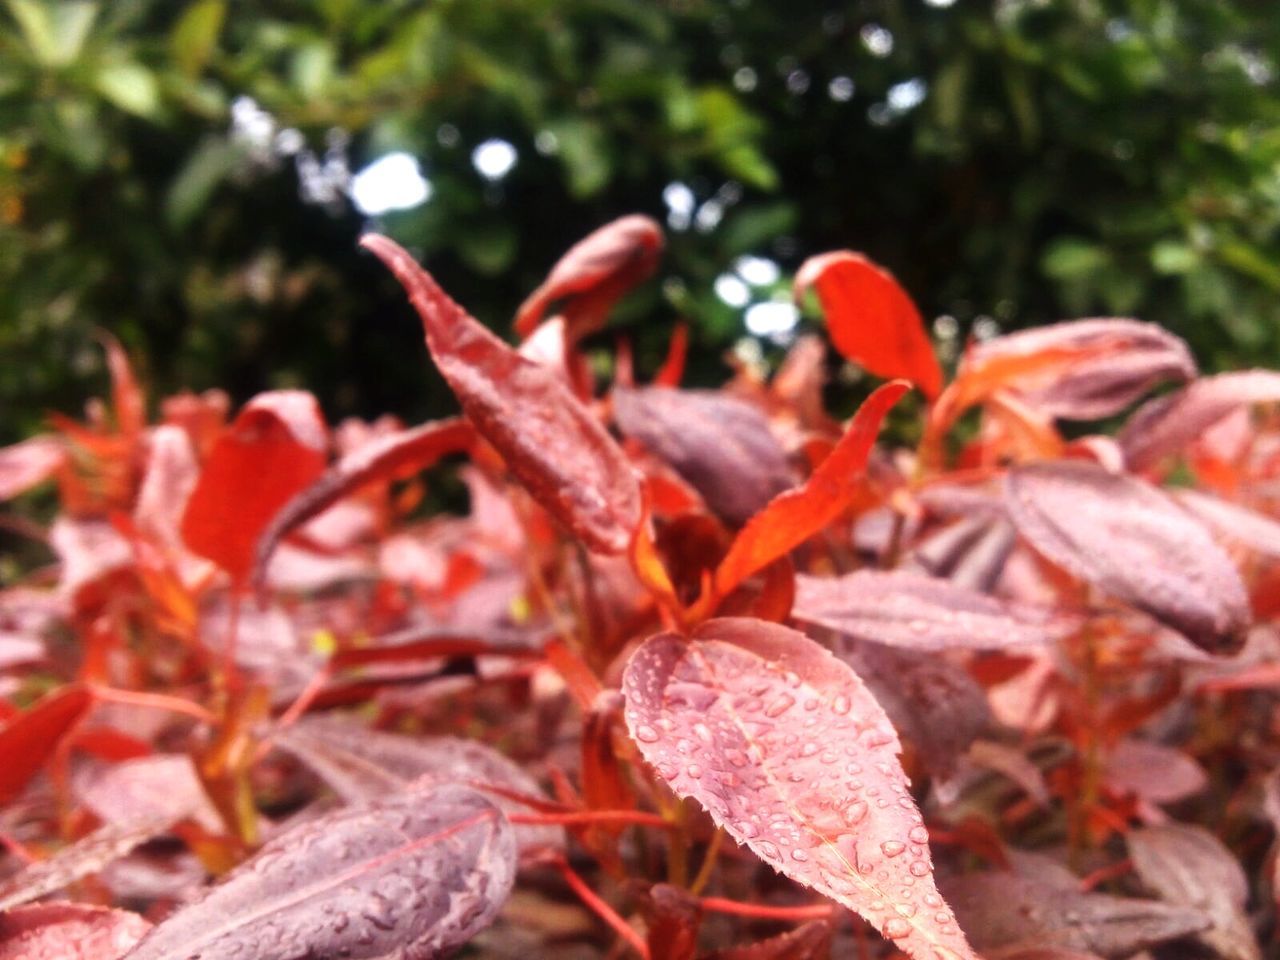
[
  {"x": 908, "y": 610},
  {"x": 1107, "y": 364},
  {"x": 273, "y": 449},
  {"x": 412, "y": 876},
  {"x": 389, "y": 457},
  {"x": 793, "y": 517},
  {"x": 550, "y": 441},
  {"x": 1127, "y": 538},
  {"x": 792, "y": 756},
  {"x": 720, "y": 444},
  {"x": 68, "y": 931},
  {"x": 1167, "y": 424},
  {"x": 595, "y": 273},
  {"x": 1188, "y": 866},
  {"x": 1006, "y": 910},
  {"x": 872, "y": 320},
  {"x": 127, "y": 398},
  {"x": 28, "y": 740},
  {"x": 28, "y": 464}
]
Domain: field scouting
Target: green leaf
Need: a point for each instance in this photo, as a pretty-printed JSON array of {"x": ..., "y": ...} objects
[
  {"x": 585, "y": 155},
  {"x": 129, "y": 86},
  {"x": 312, "y": 69},
  {"x": 195, "y": 35},
  {"x": 1072, "y": 258},
  {"x": 1171, "y": 257},
  {"x": 55, "y": 32},
  {"x": 190, "y": 191},
  {"x": 488, "y": 249}
]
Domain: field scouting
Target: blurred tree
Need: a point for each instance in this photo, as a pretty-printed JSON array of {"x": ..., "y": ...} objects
[{"x": 178, "y": 173}]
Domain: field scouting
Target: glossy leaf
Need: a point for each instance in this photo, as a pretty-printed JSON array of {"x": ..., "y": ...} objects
[
  {"x": 1107, "y": 364},
  {"x": 1131, "y": 541},
  {"x": 594, "y": 274},
  {"x": 1167, "y": 424},
  {"x": 29, "y": 740},
  {"x": 792, "y": 757},
  {"x": 933, "y": 703},
  {"x": 550, "y": 441},
  {"x": 720, "y": 444},
  {"x": 912, "y": 611},
  {"x": 68, "y": 931},
  {"x": 872, "y": 320},
  {"x": 793, "y": 517},
  {"x": 28, "y": 464},
  {"x": 391, "y": 457},
  {"x": 1188, "y": 866},
  {"x": 411, "y": 876},
  {"x": 276, "y": 447},
  {"x": 1005, "y": 910}
]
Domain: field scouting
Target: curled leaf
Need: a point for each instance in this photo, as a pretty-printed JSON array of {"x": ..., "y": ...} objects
[
  {"x": 792, "y": 756},
  {"x": 872, "y": 320},
  {"x": 1167, "y": 424},
  {"x": 414, "y": 875},
  {"x": 550, "y": 441},
  {"x": 275, "y": 447},
  {"x": 1131, "y": 541},
  {"x": 720, "y": 444},
  {"x": 901, "y": 609},
  {"x": 594, "y": 274}
]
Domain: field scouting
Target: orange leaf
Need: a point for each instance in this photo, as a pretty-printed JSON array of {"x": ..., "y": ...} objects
[{"x": 872, "y": 320}]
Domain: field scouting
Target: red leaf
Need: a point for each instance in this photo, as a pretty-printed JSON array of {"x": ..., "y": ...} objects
[
  {"x": 275, "y": 447},
  {"x": 672, "y": 370},
  {"x": 551, "y": 442},
  {"x": 389, "y": 457},
  {"x": 792, "y": 756},
  {"x": 1127, "y": 538},
  {"x": 1106, "y": 364},
  {"x": 793, "y": 517},
  {"x": 595, "y": 273},
  {"x": 901, "y": 609},
  {"x": 126, "y": 395},
  {"x": 1167, "y": 424},
  {"x": 720, "y": 444},
  {"x": 28, "y": 464},
  {"x": 68, "y": 931},
  {"x": 872, "y": 320},
  {"x": 414, "y": 875},
  {"x": 1188, "y": 866},
  {"x": 30, "y": 739}
]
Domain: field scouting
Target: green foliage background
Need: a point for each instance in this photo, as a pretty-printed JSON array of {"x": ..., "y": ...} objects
[{"x": 1067, "y": 158}]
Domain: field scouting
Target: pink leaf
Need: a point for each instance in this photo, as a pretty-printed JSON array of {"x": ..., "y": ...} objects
[
  {"x": 1114, "y": 363},
  {"x": 1127, "y": 538},
  {"x": 550, "y": 441},
  {"x": 1167, "y": 424},
  {"x": 720, "y": 445},
  {"x": 68, "y": 931},
  {"x": 28, "y": 464},
  {"x": 908, "y": 610},
  {"x": 792, "y": 756},
  {"x": 414, "y": 875},
  {"x": 1255, "y": 530}
]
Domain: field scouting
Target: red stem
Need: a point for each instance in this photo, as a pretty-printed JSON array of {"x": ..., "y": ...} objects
[
  {"x": 1100, "y": 876},
  {"x": 820, "y": 911},
  {"x": 160, "y": 701},
  {"x": 602, "y": 909},
  {"x": 592, "y": 816}
]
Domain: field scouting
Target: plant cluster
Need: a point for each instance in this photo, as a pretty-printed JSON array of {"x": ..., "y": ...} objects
[{"x": 699, "y": 674}]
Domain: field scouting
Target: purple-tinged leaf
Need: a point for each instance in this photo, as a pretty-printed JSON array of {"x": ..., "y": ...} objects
[
  {"x": 811, "y": 941},
  {"x": 363, "y": 764},
  {"x": 1188, "y": 866},
  {"x": 1165, "y": 425},
  {"x": 912, "y": 611},
  {"x": 552, "y": 443},
  {"x": 68, "y": 931},
  {"x": 412, "y": 876},
  {"x": 720, "y": 444},
  {"x": 1003, "y": 911},
  {"x": 1116, "y": 362},
  {"x": 28, "y": 464},
  {"x": 1129, "y": 540},
  {"x": 932, "y": 702},
  {"x": 1152, "y": 772},
  {"x": 163, "y": 788},
  {"x": 972, "y": 552},
  {"x": 75, "y": 861},
  {"x": 788, "y": 751},
  {"x": 1255, "y": 530},
  {"x": 386, "y": 457}
]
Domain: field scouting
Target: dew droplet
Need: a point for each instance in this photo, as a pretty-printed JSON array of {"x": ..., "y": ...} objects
[
  {"x": 918, "y": 834},
  {"x": 932, "y": 900},
  {"x": 745, "y": 829},
  {"x": 855, "y": 812},
  {"x": 646, "y": 734},
  {"x": 799, "y": 855},
  {"x": 694, "y": 770},
  {"x": 918, "y": 868},
  {"x": 897, "y": 928},
  {"x": 767, "y": 849},
  {"x": 809, "y": 749},
  {"x": 892, "y": 848},
  {"x": 841, "y": 705},
  {"x": 779, "y": 706}
]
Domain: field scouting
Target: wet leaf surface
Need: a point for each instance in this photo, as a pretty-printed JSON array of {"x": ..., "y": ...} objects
[{"x": 68, "y": 931}]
